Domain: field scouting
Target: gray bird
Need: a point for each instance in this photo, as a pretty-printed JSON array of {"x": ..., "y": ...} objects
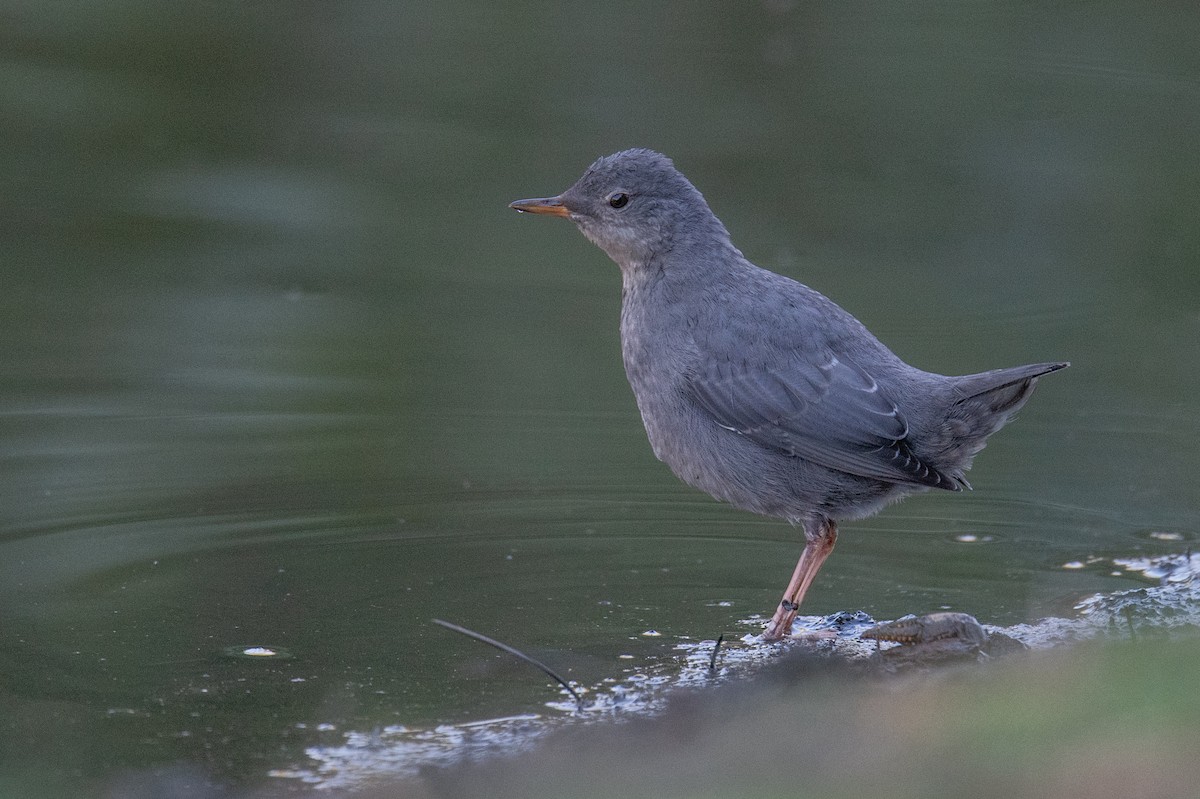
[{"x": 756, "y": 388}]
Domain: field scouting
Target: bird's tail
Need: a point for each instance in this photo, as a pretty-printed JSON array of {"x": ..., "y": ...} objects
[
  {"x": 1002, "y": 390},
  {"x": 982, "y": 403}
]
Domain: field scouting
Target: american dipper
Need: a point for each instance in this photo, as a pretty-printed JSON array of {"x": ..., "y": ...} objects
[{"x": 756, "y": 388}]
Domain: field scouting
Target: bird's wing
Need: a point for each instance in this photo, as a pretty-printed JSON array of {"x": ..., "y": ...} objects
[{"x": 831, "y": 412}]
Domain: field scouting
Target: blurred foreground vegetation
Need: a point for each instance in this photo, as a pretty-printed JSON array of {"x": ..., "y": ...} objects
[{"x": 1097, "y": 720}]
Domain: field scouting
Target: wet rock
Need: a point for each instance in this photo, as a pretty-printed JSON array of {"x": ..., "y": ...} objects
[{"x": 938, "y": 638}]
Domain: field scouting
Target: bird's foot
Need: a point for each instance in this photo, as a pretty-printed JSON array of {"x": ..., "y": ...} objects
[{"x": 781, "y": 623}]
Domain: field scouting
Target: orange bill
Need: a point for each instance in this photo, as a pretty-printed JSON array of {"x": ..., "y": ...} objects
[{"x": 541, "y": 205}]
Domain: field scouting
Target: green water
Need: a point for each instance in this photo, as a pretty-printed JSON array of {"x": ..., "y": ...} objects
[{"x": 282, "y": 369}]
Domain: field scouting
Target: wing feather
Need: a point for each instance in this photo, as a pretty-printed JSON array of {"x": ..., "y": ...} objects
[{"x": 831, "y": 412}]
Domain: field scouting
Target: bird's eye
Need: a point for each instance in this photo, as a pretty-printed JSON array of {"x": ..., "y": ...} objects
[{"x": 618, "y": 200}]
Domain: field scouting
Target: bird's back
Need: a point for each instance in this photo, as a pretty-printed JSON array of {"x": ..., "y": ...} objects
[{"x": 763, "y": 392}]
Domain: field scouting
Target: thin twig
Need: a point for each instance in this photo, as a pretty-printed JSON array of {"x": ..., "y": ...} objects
[
  {"x": 712, "y": 661},
  {"x": 515, "y": 652}
]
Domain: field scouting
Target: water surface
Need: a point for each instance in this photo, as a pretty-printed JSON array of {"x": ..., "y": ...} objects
[{"x": 282, "y": 370}]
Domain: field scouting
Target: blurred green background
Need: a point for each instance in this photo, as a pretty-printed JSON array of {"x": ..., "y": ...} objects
[{"x": 281, "y": 368}]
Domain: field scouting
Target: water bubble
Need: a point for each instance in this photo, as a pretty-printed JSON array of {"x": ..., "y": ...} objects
[
  {"x": 257, "y": 652},
  {"x": 1163, "y": 535}
]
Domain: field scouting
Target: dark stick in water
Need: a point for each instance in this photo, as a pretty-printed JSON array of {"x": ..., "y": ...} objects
[
  {"x": 712, "y": 661},
  {"x": 515, "y": 652}
]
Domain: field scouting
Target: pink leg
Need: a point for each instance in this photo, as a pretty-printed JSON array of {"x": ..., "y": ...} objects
[{"x": 819, "y": 539}]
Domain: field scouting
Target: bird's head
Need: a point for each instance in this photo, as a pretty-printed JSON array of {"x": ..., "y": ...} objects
[{"x": 634, "y": 205}]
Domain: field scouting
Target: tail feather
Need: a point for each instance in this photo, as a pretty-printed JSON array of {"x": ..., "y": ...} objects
[
  {"x": 1019, "y": 378},
  {"x": 982, "y": 404}
]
